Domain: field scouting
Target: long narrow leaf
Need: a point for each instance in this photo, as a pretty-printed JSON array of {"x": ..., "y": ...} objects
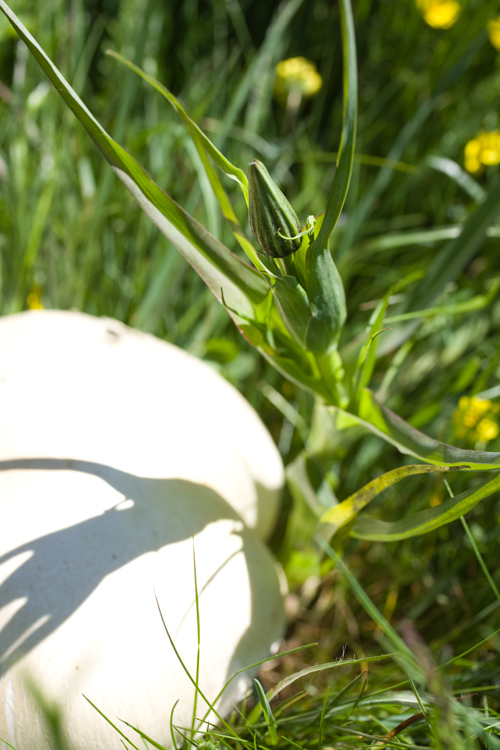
[
  {"x": 286, "y": 681},
  {"x": 198, "y": 135},
  {"x": 367, "y": 356},
  {"x": 342, "y": 178},
  {"x": 323, "y": 283},
  {"x": 346, "y": 511},
  {"x": 388, "y": 425},
  {"x": 267, "y": 711},
  {"x": 426, "y": 520},
  {"x": 478, "y": 302},
  {"x": 459, "y": 175},
  {"x": 218, "y": 267}
]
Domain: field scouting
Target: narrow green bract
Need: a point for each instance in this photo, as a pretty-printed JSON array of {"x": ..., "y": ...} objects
[{"x": 272, "y": 218}]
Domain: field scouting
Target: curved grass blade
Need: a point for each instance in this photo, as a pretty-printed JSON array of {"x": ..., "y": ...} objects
[
  {"x": 111, "y": 723},
  {"x": 343, "y": 513},
  {"x": 408, "y": 440},
  {"x": 244, "y": 669},
  {"x": 218, "y": 267},
  {"x": 455, "y": 172},
  {"x": 426, "y": 520},
  {"x": 286, "y": 681},
  {"x": 266, "y": 710},
  {"x": 403, "y": 654},
  {"x": 198, "y": 136}
]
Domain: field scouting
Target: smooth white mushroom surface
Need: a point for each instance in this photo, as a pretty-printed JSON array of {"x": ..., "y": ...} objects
[{"x": 118, "y": 454}]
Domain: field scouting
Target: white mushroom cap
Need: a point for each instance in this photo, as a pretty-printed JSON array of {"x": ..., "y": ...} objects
[
  {"x": 116, "y": 450},
  {"x": 92, "y": 388}
]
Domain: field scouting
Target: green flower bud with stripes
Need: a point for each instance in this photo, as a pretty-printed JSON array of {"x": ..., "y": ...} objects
[{"x": 273, "y": 222}]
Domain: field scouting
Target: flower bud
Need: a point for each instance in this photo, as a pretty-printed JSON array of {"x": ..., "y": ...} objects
[{"x": 272, "y": 218}]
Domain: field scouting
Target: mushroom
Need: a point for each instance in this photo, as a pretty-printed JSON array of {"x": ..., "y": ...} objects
[{"x": 126, "y": 466}]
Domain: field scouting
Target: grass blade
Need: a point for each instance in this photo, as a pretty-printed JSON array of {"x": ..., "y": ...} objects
[
  {"x": 402, "y": 649},
  {"x": 111, "y": 723},
  {"x": 198, "y": 136},
  {"x": 342, "y": 178},
  {"x": 266, "y": 710}
]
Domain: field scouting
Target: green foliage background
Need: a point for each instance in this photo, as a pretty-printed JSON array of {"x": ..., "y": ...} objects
[{"x": 71, "y": 234}]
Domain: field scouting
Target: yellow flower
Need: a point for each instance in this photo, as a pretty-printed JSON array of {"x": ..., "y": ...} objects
[
  {"x": 473, "y": 419},
  {"x": 296, "y": 77},
  {"x": 33, "y": 299},
  {"x": 487, "y": 430},
  {"x": 494, "y": 32},
  {"x": 440, "y": 14},
  {"x": 483, "y": 150}
]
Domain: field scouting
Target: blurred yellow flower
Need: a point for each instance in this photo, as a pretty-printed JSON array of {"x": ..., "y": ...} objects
[
  {"x": 440, "y": 14},
  {"x": 483, "y": 150},
  {"x": 494, "y": 32},
  {"x": 296, "y": 77},
  {"x": 474, "y": 419},
  {"x": 33, "y": 300}
]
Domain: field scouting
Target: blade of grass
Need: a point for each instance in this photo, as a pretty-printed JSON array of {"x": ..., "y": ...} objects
[
  {"x": 198, "y": 136},
  {"x": 342, "y": 178},
  {"x": 402, "y": 649},
  {"x": 198, "y": 639},
  {"x": 459, "y": 175},
  {"x": 266, "y": 710},
  {"x": 479, "y": 302},
  {"x": 253, "y": 666},
  {"x": 111, "y": 723},
  {"x": 474, "y": 546}
]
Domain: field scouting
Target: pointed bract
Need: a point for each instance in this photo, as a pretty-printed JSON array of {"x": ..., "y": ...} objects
[{"x": 270, "y": 214}]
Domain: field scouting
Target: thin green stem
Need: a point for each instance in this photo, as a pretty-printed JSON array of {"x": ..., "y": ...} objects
[{"x": 474, "y": 546}]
